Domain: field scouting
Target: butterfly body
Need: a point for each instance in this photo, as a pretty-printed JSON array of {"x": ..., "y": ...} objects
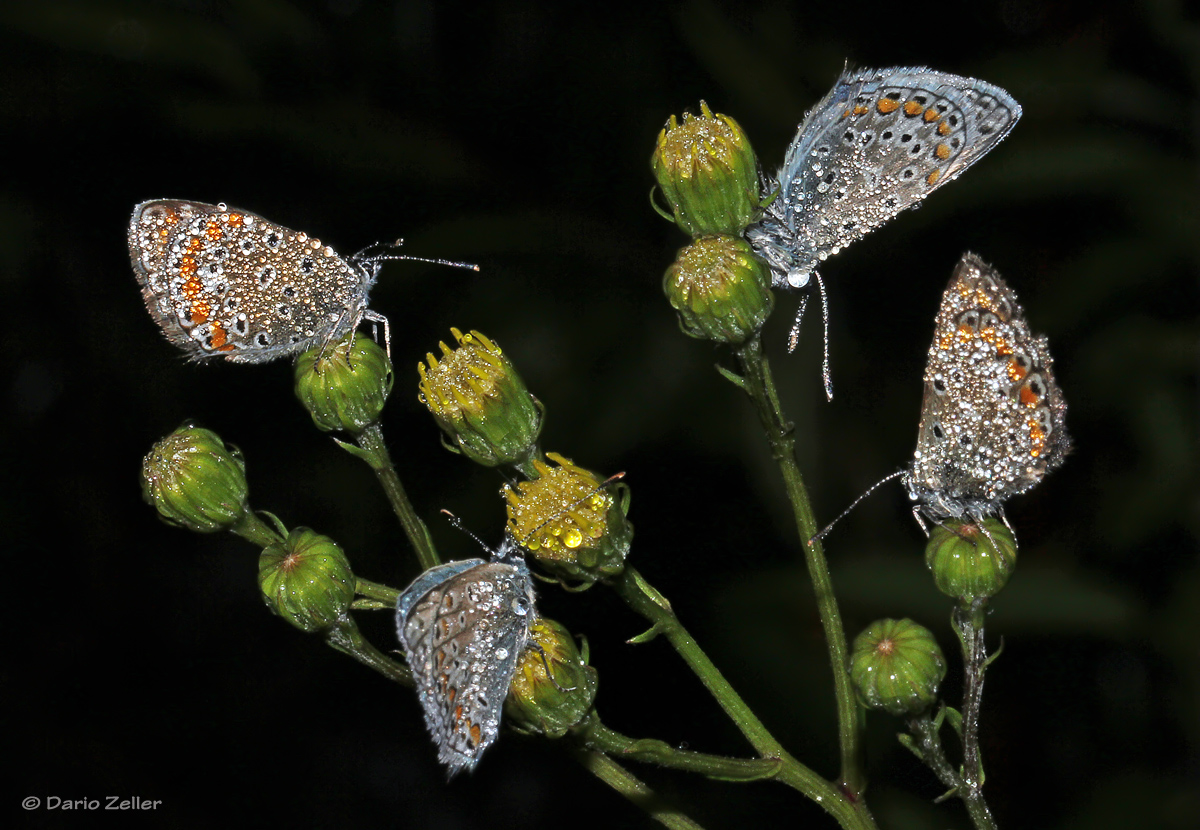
[
  {"x": 463, "y": 627},
  {"x": 878, "y": 143}
]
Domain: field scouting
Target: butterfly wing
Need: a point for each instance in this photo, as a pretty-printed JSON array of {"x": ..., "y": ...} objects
[
  {"x": 879, "y": 142},
  {"x": 463, "y": 627},
  {"x": 992, "y": 414},
  {"x": 227, "y": 283}
]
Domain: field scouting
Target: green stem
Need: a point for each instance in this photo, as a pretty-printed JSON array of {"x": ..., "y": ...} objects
[
  {"x": 760, "y": 386},
  {"x": 255, "y": 531},
  {"x": 373, "y": 590},
  {"x": 595, "y": 735},
  {"x": 968, "y": 623},
  {"x": 846, "y": 807},
  {"x": 636, "y": 792},
  {"x": 345, "y": 637},
  {"x": 375, "y": 453},
  {"x": 930, "y": 744}
]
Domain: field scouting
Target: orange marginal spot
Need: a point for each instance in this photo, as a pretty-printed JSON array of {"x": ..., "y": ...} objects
[
  {"x": 931, "y": 114},
  {"x": 847, "y": 114},
  {"x": 945, "y": 342},
  {"x": 201, "y": 311},
  {"x": 458, "y": 710},
  {"x": 965, "y": 334},
  {"x": 1016, "y": 371},
  {"x": 191, "y": 287},
  {"x": 860, "y": 110},
  {"x": 942, "y": 151},
  {"x": 451, "y": 693},
  {"x": 448, "y": 600},
  {"x": 438, "y": 659},
  {"x": 913, "y": 108},
  {"x": 887, "y": 105},
  {"x": 944, "y": 128},
  {"x": 213, "y": 231},
  {"x": 1038, "y": 436},
  {"x": 194, "y": 244},
  {"x": 235, "y": 220},
  {"x": 933, "y": 177},
  {"x": 1027, "y": 397},
  {"x": 1003, "y": 349},
  {"x": 476, "y": 734},
  {"x": 218, "y": 338},
  {"x": 988, "y": 335}
]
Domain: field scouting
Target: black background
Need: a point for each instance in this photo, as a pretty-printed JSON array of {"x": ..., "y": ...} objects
[{"x": 517, "y": 135}]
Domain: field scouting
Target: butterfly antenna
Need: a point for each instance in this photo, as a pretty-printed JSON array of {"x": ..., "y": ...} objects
[
  {"x": 363, "y": 256},
  {"x": 825, "y": 375},
  {"x": 794, "y": 333},
  {"x": 870, "y": 490},
  {"x": 457, "y": 522}
]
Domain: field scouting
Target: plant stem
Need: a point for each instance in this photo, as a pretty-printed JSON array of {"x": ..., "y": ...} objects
[
  {"x": 845, "y": 807},
  {"x": 634, "y": 790},
  {"x": 930, "y": 743},
  {"x": 375, "y": 453},
  {"x": 345, "y": 637},
  {"x": 760, "y": 386},
  {"x": 255, "y": 531},
  {"x": 968, "y": 623},
  {"x": 596, "y": 735}
]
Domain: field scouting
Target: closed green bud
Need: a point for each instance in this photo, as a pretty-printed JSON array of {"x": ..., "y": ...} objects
[
  {"x": 896, "y": 666},
  {"x": 344, "y": 386},
  {"x": 195, "y": 481},
  {"x": 572, "y": 526},
  {"x": 550, "y": 704},
  {"x": 306, "y": 579},
  {"x": 480, "y": 402},
  {"x": 969, "y": 564},
  {"x": 707, "y": 172},
  {"x": 720, "y": 289}
]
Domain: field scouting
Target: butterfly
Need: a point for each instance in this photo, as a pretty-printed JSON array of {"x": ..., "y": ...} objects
[
  {"x": 463, "y": 627},
  {"x": 993, "y": 418},
  {"x": 879, "y": 142}
]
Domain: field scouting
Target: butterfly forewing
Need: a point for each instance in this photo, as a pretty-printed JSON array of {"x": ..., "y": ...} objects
[{"x": 878, "y": 143}]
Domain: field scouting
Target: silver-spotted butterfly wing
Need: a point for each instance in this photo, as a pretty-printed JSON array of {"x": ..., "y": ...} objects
[
  {"x": 222, "y": 282},
  {"x": 992, "y": 417},
  {"x": 463, "y": 626},
  {"x": 879, "y": 142}
]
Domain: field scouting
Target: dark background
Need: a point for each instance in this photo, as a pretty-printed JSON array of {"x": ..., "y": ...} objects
[{"x": 517, "y": 134}]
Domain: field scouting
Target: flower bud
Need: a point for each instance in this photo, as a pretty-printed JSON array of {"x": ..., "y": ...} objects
[
  {"x": 344, "y": 386},
  {"x": 306, "y": 579},
  {"x": 550, "y": 704},
  {"x": 707, "y": 172},
  {"x": 480, "y": 402},
  {"x": 574, "y": 528},
  {"x": 720, "y": 289},
  {"x": 195, "y": 481},
  {"x": 967, "y": 563},
  {"x": 896, "y": 666}
]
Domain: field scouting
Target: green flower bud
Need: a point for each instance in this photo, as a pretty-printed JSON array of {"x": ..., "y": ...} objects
[
  {"x": 574, "y": 528},
  {"x": 344, "y": 386},
  {"x": 707, "y": 172},
  {"x": 194, "y": 481},
  {"x": 480, "y": 402},
  {"x": 540, "y": 705},
  {"x": 896, "y": 666},
  {"x": 966, "y": 563},
  {"x": 306, "y": 579},
  {"x": 720, "y": 289}
]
